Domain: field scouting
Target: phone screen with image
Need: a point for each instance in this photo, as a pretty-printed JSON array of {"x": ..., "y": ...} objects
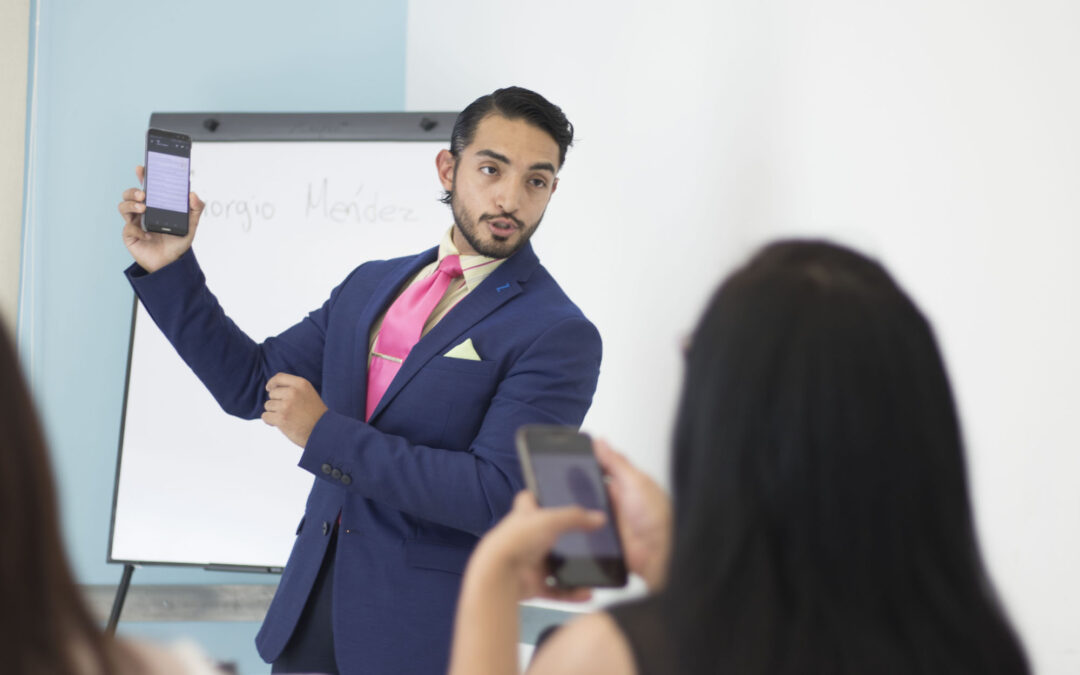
[
  {"x": 168, "y": 181},
  {"x": 561, "y": 470}
]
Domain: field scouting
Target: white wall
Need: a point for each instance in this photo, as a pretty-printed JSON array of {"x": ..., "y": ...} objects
[
  {"x": 650, "y": 205},
  {"x": 939, "y": 136},
  {"x": 943, "y": 136},
  {"x": 14, "y": 34}
]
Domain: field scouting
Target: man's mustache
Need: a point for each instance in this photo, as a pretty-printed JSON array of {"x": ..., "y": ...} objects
[{"x": 488, "y": 216}]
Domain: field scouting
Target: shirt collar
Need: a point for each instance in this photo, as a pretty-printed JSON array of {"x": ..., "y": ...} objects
[{"x": 474, "y": 268}]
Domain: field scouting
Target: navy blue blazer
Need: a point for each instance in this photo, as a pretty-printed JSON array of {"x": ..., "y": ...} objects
[{"x": 433, "y": 469}]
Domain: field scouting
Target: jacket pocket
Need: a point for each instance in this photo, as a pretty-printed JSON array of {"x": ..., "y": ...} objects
[
  {"x": 437, "y": 556},
  {"x": 462, "y": 366}
]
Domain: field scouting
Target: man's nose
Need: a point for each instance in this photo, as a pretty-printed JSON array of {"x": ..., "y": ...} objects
[{"x": 508, "y": 197}]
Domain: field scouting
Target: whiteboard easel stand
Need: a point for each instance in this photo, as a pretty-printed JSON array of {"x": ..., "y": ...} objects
[
  {"x": 255, "y": 128},
  {"x": 118, "y": 602}
]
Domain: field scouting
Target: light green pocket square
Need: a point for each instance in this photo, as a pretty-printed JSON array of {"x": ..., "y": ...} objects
[{"x": 465, "y": 350}]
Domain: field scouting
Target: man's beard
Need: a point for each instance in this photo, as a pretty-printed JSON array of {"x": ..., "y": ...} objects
[{"x": 498, "y": 247}]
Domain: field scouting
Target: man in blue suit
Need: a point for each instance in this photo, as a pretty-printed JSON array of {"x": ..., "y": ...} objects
[{"x": 401, "y": 493}]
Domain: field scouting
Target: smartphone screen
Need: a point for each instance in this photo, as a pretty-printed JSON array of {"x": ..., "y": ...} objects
[
  {"x": 561, "y": 470},
  {"x": 168, "y": 172}
]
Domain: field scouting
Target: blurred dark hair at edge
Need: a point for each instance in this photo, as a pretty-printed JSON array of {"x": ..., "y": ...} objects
[{"x": 45, "y": 626}]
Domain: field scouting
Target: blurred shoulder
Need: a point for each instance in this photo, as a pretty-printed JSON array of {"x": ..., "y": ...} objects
[
  {"x": 181, "y": 658},
  {"x": 589, "y": 644}
]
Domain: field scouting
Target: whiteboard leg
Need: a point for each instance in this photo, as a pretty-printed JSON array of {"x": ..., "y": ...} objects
[{"x": 118, "y": 603}]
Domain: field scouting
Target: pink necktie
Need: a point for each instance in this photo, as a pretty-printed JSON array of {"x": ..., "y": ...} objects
[{"x": 402, "y": 327}]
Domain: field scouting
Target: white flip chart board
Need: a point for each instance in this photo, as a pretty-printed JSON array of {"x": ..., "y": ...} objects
[{"x": 293, "y": 204}]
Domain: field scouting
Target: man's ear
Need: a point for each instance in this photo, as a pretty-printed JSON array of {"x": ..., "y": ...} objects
[
  {"x": 554, "y": 185},
  {"x": 444, "y": 163}
]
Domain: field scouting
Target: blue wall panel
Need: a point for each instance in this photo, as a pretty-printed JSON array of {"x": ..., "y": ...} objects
[{"x": 102, "y": 68}]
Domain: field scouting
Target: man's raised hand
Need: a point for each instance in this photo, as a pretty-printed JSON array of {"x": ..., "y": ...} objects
[{"x": 154, "y": 250}]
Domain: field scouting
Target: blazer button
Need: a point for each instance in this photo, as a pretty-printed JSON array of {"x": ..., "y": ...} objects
[
  {"x": 335, "y": 474},
  {"x": 325, "y": 527},
  {"x": 346, "y": 479},
  {"x": 326, "y": 468}
]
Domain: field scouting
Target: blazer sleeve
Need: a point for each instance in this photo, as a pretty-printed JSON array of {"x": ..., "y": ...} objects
[
  {"x": 232, "y": 366},
  {"x": 552, "y": 382}
]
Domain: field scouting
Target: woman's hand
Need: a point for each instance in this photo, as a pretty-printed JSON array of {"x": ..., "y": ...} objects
[
  {"x": 643, "y": 512},
  {"x": 516, "y": 548},
  {"x": 508, "y": 566}
]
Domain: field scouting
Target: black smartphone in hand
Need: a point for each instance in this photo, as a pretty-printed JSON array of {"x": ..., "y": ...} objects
[
  {"x": 167, "y": 182},
  {"x": 561, "y": 470}
]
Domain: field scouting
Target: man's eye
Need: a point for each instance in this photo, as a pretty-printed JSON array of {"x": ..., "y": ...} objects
[
  {"x": 538, "y": 183},
  {"x": 489, "y": 170}
]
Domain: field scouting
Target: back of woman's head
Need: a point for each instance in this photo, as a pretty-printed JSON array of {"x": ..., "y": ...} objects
[
  {"x": 823, "y": 521},
  {"x": 44, "y": 624}
]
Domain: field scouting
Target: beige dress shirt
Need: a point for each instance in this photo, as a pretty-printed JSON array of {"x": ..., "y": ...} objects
[{"x": 475, "y": 268}]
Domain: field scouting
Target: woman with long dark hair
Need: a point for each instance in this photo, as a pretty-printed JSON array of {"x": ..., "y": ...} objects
[
  {"x": 45, "y": 626},
  {"x": 822, "y": 521}
]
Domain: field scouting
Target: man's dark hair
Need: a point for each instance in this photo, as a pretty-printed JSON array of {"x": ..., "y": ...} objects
[
  {"x": 822, "y": 516},
  {"x": 513, "y": 103}
]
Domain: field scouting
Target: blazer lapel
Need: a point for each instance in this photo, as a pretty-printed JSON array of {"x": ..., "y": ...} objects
[
  {"x": 492, "y": 293},
  {"x": 381, "y": 298}
]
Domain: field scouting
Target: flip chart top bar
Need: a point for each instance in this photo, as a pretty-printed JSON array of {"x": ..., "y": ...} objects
[{"x": 250, "y": 127}]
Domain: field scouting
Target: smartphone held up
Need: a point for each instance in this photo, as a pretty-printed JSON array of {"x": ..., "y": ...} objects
[
  {"x": 561, "y": 470},
  {"x": 167, "y": 182}
]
